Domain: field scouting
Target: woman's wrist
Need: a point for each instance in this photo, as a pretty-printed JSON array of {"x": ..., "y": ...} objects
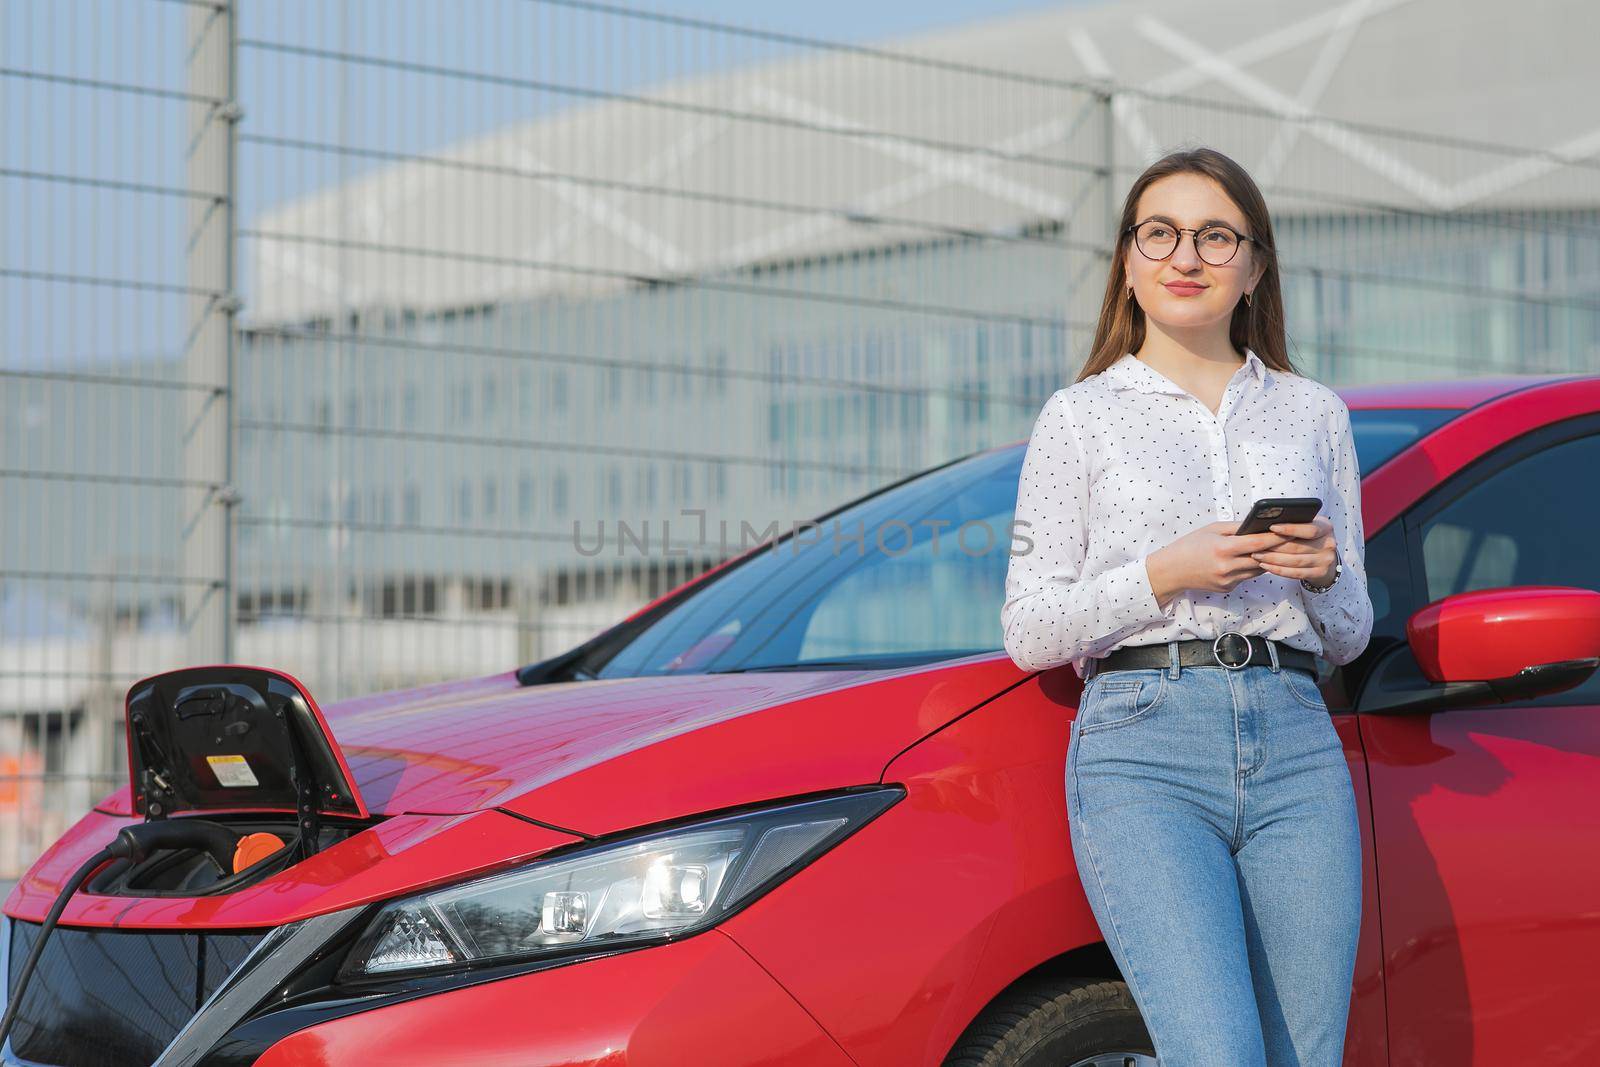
[
  {"x": 1162, "y": 582},
  {"x": 1323, "y": 582}
]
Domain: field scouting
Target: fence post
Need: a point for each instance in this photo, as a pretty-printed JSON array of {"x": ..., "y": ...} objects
[
  {"x": 208, "y": 430},
  {"x": 1107, "y": 95}
]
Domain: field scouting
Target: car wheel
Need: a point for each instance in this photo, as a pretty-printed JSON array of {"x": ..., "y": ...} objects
[{"x": 1058, "y": 1023}]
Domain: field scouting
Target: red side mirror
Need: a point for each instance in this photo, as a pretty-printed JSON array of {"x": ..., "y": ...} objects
[{"x": 1493, "y": 634}]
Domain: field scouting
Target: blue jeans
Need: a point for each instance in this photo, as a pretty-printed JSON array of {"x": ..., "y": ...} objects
[{"x": 1214, "y": 826}]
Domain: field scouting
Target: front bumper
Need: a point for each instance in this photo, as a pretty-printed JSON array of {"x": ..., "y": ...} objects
[{"x": 702, "y": 999}]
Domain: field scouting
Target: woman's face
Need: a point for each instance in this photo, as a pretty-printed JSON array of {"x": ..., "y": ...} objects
[{"x": 1190, "y": 201}]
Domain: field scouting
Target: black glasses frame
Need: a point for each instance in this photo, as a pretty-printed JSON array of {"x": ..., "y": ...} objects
[{"x": 1194, "y": 237}]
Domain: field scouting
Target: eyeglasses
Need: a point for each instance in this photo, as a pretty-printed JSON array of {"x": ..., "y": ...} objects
[{"x": 1216, "y": 245}]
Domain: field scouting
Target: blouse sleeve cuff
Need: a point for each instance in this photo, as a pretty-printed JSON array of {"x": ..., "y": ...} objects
[
  {"x": 1131, "y": 596},
  {"x": 1333, "y": 612}
]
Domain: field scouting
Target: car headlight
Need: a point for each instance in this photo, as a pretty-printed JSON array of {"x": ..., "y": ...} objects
[{"x": 637, "y": 890}]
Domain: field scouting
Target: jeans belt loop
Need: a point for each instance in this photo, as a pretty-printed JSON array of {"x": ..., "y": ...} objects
[
  {"x": 1172, "y": 660},
  {"x": 1272, "y": 651}
]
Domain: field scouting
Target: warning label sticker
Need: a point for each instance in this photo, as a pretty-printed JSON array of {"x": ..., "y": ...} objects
[{"x": 232, "y": 771}]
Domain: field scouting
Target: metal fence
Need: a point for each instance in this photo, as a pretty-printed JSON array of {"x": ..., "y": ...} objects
[{"x": 337, "y": 336}]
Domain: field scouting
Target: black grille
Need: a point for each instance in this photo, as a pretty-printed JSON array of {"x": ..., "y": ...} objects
[{"x": 109, "y": 998}]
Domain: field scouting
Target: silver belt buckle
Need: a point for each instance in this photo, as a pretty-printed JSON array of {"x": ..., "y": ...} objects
[{"x": 1217, "y": 655}]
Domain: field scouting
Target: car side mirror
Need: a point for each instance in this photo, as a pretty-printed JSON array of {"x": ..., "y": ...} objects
[{"x": 1498, "y": 645}]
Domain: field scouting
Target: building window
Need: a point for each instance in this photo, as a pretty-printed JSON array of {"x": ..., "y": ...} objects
[
  {"x": 409, "y": 596},
  {"x": 525, "y": 496},
  {"x": 486, "y": 594}
]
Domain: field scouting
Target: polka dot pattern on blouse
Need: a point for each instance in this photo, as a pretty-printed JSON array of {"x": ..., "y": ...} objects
[{"x": 1125, "y": 462}]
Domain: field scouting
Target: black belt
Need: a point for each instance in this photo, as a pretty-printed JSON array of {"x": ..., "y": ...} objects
[{"x": 1232, "y": 650}]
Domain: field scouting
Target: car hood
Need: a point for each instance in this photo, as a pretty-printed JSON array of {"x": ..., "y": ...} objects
[
  {"x": 594, "y": 757},
  {"x": 481, "y": 774}
]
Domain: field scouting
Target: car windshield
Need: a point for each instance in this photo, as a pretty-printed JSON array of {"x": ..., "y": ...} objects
[{"x": 914, "y": 574}]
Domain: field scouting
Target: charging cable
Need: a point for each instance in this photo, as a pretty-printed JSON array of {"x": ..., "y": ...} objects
[{"x": 21, "y": 985}]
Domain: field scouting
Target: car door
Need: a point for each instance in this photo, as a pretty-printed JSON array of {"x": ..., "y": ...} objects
[{"x": 1486, "y": 820}]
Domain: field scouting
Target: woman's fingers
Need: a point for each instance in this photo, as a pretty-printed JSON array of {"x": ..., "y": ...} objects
[
  {"x": 1304, "y": 531},
  {"x": 1293, "y": 560},
  {"x": 1291, "y": 571},
  {"x": 1290, "y": 553}
]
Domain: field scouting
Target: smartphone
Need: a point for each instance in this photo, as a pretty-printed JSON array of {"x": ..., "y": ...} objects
[{"x": 1270, "y": 510}]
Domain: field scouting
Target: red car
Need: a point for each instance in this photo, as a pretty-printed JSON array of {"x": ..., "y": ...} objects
[{"x": 804, "y": 810}]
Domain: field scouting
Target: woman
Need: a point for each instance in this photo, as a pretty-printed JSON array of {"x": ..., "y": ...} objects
[{"x": 1210, "y": 806}]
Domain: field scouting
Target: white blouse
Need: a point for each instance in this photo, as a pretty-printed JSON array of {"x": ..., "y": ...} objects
[{"x": 1126, "y": 461}]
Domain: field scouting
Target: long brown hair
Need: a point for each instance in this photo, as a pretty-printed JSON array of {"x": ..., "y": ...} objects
[{"x": 1257, "y": 325}]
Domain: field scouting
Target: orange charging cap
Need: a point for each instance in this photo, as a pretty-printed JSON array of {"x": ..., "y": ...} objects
[{"x": 253, "y": 848}]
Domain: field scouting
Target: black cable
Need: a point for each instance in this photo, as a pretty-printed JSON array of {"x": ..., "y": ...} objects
[{"x": 15, "y": 991}]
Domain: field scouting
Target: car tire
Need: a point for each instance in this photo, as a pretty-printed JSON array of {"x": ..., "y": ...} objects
[{"x": 1058, "y": 1023}]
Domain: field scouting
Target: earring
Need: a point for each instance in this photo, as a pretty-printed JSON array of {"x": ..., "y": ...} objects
[
  {"x": 1247, "y": 300},
  {"x": 1130, "y": 292}
]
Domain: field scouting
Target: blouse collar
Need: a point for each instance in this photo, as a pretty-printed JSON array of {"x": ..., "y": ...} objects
[{"x": 1131, "y": 373}]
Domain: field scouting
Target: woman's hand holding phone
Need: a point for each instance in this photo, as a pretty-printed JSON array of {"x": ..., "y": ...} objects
[
  {"x": 1211, "y": 558},
  {"x": 1307, "y": 551}
]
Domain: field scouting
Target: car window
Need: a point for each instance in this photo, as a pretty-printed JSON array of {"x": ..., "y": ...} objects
[
  {"x": 1531, "y": 523},
  {"x": 925, "y": 583},
  {"x": 937, "y": 594}
]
